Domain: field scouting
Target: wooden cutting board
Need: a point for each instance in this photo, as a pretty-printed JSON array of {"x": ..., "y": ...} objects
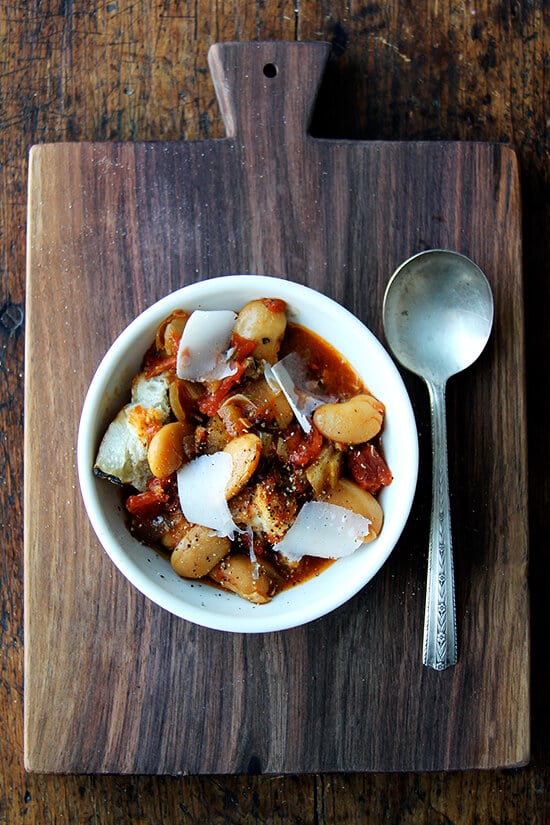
[{"x": 113, "y": 683}]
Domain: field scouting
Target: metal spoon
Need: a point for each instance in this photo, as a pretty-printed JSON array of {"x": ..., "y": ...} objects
[{"x": 438, "y": 314}]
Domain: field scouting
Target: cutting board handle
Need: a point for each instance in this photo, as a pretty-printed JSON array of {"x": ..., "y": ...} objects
[{"x": 267, "y": 87}]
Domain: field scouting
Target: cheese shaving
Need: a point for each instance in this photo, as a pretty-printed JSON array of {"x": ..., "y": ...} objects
[
  {"x": 203, "y": 352},
  {"x": 288, "y": 375},
  {"x": 324, "y": 530},
  {"x": 202, "y": 485}
]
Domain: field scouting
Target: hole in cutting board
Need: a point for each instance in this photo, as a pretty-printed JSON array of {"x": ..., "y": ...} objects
[{"x": 270, "y": 70}]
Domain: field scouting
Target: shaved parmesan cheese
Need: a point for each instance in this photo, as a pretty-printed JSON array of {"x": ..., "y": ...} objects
[
  {"x": 203, "y": 350},
  {"x": 201, "y": 488},
  {"x": 324, "y": 530},
  {"x": 288, "y": 375},
  {"x": 251, "y": 553}
]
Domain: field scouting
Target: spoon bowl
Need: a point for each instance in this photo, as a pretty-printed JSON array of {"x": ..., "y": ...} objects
[{"x": 438, "y": 314}]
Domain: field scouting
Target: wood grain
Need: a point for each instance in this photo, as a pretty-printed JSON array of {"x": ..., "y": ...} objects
[
  {"x": 148, "y": 693},
  {"x": 136, "y": 71}
]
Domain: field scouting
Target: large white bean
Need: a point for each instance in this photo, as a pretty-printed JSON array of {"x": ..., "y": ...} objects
[
  {"x": 263, "y": 321},
  {"x": 166, "y": 452},
  {"x": 198, "y": 552},
  {"x": 245, "y": 450},
  {"x": 350, "y": 422},
  {"x": 254, "y": 581},
  {"x": 348, "y": 494}
]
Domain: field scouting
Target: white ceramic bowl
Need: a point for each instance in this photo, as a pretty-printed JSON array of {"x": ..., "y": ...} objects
[{"x": 150, "y": 572}]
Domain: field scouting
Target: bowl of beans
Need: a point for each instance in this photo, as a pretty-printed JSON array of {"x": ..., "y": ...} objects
[{"x": 247, "y": 454}]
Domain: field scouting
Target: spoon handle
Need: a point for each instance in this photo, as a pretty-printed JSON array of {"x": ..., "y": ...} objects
[{"x": 440, "y": 640}]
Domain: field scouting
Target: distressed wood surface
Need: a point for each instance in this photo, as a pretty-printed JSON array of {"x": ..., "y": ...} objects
[
  {"x": 136, "y": 71},
  {"x": 131, "y": 222}
]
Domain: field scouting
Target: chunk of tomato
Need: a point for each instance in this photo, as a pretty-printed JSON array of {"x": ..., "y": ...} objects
[
  {"x": 303, "y": 448},
  {"x": 210, "y": 403},
  {"x": 152, "y": 501},
  {"x": 368, "y": 469}
]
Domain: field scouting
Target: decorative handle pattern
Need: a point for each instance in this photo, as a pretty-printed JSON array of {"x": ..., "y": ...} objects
[{"x": 440, "y": 637}]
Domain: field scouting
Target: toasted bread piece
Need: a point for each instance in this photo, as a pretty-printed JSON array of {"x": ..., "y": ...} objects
[
  {"x": 265, "y": 508},
  {"x": 122, "y": 453}
]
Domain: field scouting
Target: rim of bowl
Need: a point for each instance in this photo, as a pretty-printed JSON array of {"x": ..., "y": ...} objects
[{"x": 307, "y": 601}]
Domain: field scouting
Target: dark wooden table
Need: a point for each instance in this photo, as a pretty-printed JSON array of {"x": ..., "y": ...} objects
[{"x": 137, "y": 71}]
